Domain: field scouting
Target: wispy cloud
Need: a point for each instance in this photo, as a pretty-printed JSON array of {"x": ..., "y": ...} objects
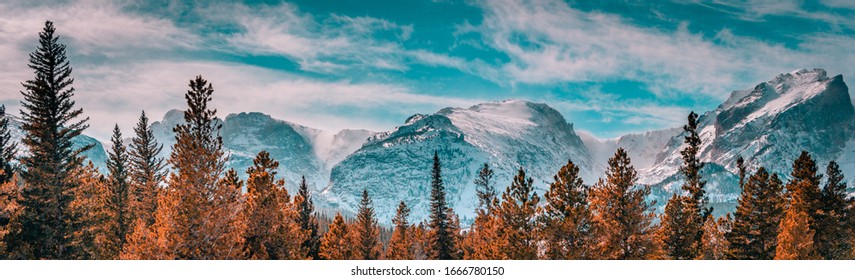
[{"x": 551, "y": 42}]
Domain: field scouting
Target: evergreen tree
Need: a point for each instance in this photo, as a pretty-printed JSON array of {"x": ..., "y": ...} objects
[
  {"x": 517, "y": 235},
  {"x": 676, "y": 231},
  {"x": 146, "y": 171},
  {"x": 757, "y": 218},
  {"x": 117, "y": 202},
  {"x": 366, "y": 231},
  {"x": 479, "y": 243},
  {"x": 205, "y": 213},
  {"x": 48, "y": 120},
  {"x": 795, "y": 238},
  {"x": 8, "y": 149},
  {"x": 566, "y": 219},
  {"x": 740, "y": 165},
  {"x": 401, "y": 245},
  {"x": 833, "y": 231},
  {"x": 484, "y": 188},
  {"x": 93, "y": 239},
  {"x": 803, "y": 190},
  {"x": 155, "y": 242},
  {"x": 308, "y": 221},
  {"x": 441, "y": 237},
  {"x": 9, "y": 212},
  {"x": 271, "y": 230},
  {"x": 623, "y": 220},
  {"x": 714, "y": 244},
  {"x": 336, "y": 243}
]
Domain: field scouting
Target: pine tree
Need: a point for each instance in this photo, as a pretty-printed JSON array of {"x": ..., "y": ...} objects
[
  {"x": 366, "y": 231},
  {"x": 623, "y": 219},
  {"x": 401, "y": 245},
  {"x": 795, "y": 238},
  {"x": 336, "y": 243},
  {"x": 48, "y": 120},
  {"x": 441, "y": 237},
  {"x": 484, "y": 188},
  {"x": 308, "y": 221},
  {"x": 714, "y": 244},
  {"x": 833, "y": 231},
  {"x": 517, "y": 236},
  {"x": 8, "y": 149},
  {"x": 740, "y": 165},
  {"x": 804, "y": 194},
  {"x": 146, "y": 171},
  {"x": 154, "y": 242},
  {"x": 9, "y": 212},
  {"x": 757, "y": 218},
  {"x": 479, "y": 242},
  {"x": 117, "y": 201},
  {"x": 271, "y": 230},
  {"x": 206, "y": 211},
  {"x": 566, "y": 219},
  {"x": 92, "y": 240},
  {"x": 676, "y": 231}
]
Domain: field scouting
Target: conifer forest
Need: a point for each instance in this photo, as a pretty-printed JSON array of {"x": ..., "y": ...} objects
[{"x": 56, "y": 204}]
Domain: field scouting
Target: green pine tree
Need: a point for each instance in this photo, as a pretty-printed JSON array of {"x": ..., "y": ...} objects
[
  {"x": 50, "y": 122},
  {"x": 366, "y": 231},
  {"x": 833, "y": 229},
  {"x": 308, "y": 221},
  {"x": 756, "y": 221},
  {"x": 146, "y": 171},
  {"x": 442, "y": 240},
  {"x": 119, "y": 221}
]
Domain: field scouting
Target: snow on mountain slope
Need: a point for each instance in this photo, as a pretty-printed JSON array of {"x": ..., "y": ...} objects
[
  {"x": 96, "y": 154},
  {"x": 642, "y": 148},
  {"x": 395, "y": 165},
  {"x": 769, "y": 126},
  {"x": 301, "y": 151}
]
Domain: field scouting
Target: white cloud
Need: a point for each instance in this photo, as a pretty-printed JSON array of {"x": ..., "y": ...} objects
[{"x": 551, "y": 42}]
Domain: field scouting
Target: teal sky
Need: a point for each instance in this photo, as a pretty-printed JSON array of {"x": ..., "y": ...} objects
[{"x": 611, "y": 67}]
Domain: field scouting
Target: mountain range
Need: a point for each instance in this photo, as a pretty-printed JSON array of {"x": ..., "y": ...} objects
[{"x": 768, "y": 126}]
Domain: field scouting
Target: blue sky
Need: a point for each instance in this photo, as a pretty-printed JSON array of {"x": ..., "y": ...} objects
[{"x": 611, "y": 67}]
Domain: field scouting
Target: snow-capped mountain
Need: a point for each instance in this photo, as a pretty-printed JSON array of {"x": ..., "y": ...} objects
[
  {"x": 96, "y": 154},
  {"x": 301, "y": 151},
  {"x": 768, "y": 126},
  {"x": 395, "y": 165}
]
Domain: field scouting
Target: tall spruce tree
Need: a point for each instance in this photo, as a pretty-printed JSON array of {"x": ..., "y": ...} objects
[
  {"x": 146, "y": 171},
  {"x": 119, "y": 219},
  {"x": 366, "y": 231},
  {"x": 442, "y": 240},
  {"x": 401, "y": 245},
  {"x": 623, "y": 219},
  {"x": 205, "y": 210},
  {"x": 566, "y": 219},
  {"x": 49, "y": 121},
  {"x": 485, "y": 190},
  {"x": 517, "y": 236},
  {"x": 308, "y": 221},
  {"x": 833, "y": 230},
  {"x": 756, "y": 221},
  {"x": 682, "y": 223},
  {"x": 8, "y": 148},
  {"x": 795, "y": 237}
]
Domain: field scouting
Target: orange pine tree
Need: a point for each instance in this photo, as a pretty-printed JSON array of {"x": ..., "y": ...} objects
[
  {"x": 401, "y": 243},
  {"x": 623, "y": 219},
  {"x": 271, "y": 229},
  {"x": 336, "y": 243}
]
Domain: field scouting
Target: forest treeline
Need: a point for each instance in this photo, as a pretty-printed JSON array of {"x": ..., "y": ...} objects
[{"x": 53, "y": 205}]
